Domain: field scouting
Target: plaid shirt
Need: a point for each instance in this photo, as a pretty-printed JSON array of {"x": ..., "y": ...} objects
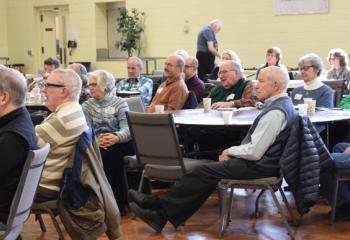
[{"x": 142, "y": 84}]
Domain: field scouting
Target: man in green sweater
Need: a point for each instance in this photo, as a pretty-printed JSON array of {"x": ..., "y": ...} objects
[{"x": 234, "y": 90}]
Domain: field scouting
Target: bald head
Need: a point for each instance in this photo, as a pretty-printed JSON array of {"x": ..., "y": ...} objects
[
  {"x": 174, "y": 66},
  {"x": 272, "y": 81}
]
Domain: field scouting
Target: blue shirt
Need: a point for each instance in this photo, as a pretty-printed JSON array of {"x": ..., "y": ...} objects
[
  {"x": 142, "y": 84},
  {"x": 323, "y": 96},
  {"x": 204, "y": 36}
]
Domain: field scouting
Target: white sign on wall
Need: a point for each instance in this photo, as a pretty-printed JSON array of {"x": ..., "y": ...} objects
[{"x": 299, "y": 6}]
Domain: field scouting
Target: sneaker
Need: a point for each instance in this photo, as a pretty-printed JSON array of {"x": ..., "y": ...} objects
[{"x": 153, "y": 218}]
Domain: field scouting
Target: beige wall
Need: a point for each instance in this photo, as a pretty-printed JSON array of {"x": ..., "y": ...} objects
[
  {"x": 3, "y": 30},
  {"x": 249, "y": 28}
]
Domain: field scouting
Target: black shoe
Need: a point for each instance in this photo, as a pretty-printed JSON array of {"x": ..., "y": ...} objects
[
  {"x": 144, "y": 200},
  {"x": 153, "y": 218}
]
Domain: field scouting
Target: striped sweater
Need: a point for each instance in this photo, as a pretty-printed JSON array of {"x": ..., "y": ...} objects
[
  {"x": 62, "y": 130},
  {"x": 108, "y": 116}
]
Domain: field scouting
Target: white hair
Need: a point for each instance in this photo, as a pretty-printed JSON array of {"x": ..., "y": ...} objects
[
  {"x": 105, "y": 80},
  {"x": 71, "y": 80}
]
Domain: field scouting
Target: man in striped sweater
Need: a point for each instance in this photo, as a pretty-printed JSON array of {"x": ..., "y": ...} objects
[{"x": 62, "y": 128}]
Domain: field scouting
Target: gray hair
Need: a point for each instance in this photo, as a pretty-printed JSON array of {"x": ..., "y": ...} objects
[
  {"x": 315, "y": 61},
  {"x": 233, "y": 55},
  {"x": 181, "y": 63},
  {"x": 276, "y": 74},
  {"x": 235, "y": 66},
  {"x": 105, "y": 80},
  {"x": 71, "y": 80},
  {"x": 13, "y": 82},
  {"x": 138, "y": 61},
  {"x": 215, "y": 23},
  {"x": 194, "y": 61},
  {"x": 182, "y": 52}
]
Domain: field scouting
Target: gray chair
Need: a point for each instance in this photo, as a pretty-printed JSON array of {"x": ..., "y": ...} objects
[
  {"x": 340, "y": 175},
  {"x": 136, "y": 104},
  {"x": 272, "y": 184},
  {"x": 338, "y": 87},
  {"x": 24, "y": 196},
  {"x": 157, "y": 147}
]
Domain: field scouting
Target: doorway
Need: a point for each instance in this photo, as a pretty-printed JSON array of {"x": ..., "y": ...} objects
[{"x": 54, "y": 22}]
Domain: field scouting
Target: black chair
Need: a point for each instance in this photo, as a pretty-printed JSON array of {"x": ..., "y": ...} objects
[
  {"x": 340, "y": 175},
  {"x": 191, "y": 102},
  {"x": 338, "y": 87},
  {"x": 208, "y": 88}
]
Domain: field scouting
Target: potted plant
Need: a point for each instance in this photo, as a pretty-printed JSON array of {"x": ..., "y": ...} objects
[{"x": 130, "y": 25}]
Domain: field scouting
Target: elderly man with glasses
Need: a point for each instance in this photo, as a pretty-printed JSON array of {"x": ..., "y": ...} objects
[
  {"x": 192, "y": 81},
  {"x": 62, "y": 128},
  {"x": 234, "y": 90},
  {"x": 172, "y": 93}
]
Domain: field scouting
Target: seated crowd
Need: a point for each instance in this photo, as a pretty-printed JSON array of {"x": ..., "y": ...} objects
[{"x": 78, "y": 101}]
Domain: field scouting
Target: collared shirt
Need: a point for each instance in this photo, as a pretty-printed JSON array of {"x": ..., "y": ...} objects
[
  {"x": 264, "y": 135},
  {"x": 172, "y": 94},
  {"x": 142, "y": 84}
]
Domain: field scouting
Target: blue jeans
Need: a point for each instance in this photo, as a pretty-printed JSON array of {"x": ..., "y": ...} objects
[{"x": 342, "y": 160}]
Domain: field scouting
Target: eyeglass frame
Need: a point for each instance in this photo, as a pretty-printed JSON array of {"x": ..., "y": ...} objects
[
  {"x": 223, "y": 72},
  {"x": 306, "y": 68},
  {"x": 46, "y": 85}
]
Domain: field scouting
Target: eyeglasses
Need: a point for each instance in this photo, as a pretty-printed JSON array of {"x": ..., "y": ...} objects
[
  {"x": 92, "y": 85},
  {"x": 223, "y": 72},
  {"x": 169, "y": 65},
  {"x": 46, "y": 85},
  {"x": 305, "y": 68},
  {"x": 188, "y": 66}
]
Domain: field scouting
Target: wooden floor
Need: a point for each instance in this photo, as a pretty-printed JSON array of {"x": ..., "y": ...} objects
[{"x": 203, "y": 225}]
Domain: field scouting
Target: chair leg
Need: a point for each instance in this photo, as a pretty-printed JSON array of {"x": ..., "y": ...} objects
[
  {"x": 223, "y": 209},
  {"x": 41, "y": 222},
  {"x": 141, "y": 181},
  {"x": 283, "y": 215},
  {"x": 288, "y": 206},
  {"x": 229, "y": 214},
  {"x": 334, "y": 203},
  {"x": 257, "y": 202},
  {"x": 55, "y": 223}
]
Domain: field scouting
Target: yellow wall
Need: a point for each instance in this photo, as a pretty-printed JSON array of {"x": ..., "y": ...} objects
[
  {"x": 249, "y": 28},
  {"x": 3, "y": 30}
]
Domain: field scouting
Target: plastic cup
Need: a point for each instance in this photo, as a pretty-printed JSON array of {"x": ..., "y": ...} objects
[
  {"x": 206, "y": 104},
  {"x": 227, "y": 116},
  {"x": 311, "y": 108},
  {"x": 302, "y": 109},
  {"x": 159, "y": 108}
]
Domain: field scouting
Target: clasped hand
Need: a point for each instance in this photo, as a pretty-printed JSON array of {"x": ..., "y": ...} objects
[{"x": 105, "y": 140}]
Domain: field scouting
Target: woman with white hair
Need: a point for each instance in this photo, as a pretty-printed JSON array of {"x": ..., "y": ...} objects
[{"x": 105, "y": 113}]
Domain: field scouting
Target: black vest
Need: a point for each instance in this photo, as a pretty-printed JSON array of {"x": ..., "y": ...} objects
[
  {"x": 271, "y": 157},
  {"x": 20, "y": 123}
]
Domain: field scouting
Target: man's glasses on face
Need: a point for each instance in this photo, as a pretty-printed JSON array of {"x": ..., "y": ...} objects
[
  {"x": 223, "y": 72},
  {"x": 46, "y": 85}
]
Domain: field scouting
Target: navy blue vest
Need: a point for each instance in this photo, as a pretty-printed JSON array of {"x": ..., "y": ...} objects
[{"x": 271, "y": 157}]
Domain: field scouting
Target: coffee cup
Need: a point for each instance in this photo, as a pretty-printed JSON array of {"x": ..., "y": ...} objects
[
  {"x": 311, "y": 106},
  {"x": 227, "y": 117},
  {"x": 159, "y": 108},
  {"x": 302, "y": 109},
  {"x": 206, "y": 104}
]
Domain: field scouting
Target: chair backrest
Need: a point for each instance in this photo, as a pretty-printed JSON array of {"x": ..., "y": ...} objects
[
  {"x": 191, "y": 102},
  {"x": 338, "y": 87},
  {"x": 155, "y": 139},
  {"x": 136, "y": 104},
  {"x": 208, "y": 88},
  {"x": 24, "y": 196}
]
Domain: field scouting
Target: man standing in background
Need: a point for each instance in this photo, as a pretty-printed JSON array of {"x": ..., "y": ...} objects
[{"x": 207, "y": 47}]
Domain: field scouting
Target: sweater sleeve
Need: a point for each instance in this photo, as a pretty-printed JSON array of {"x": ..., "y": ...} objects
[
  {"x": 326, "y": 98},
  {"x": 123, "y": 133}
]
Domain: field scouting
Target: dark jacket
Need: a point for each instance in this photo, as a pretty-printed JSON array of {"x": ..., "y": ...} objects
[
  {"x": 17, "y": 137},
  {"x": 302, "y": 161}
]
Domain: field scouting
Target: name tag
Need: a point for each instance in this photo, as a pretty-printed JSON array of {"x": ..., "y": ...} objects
[
  {"x": 159, "y": 90},
  {"x": 230, "y": 97},
  {"x": 298, "y": 96}
]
